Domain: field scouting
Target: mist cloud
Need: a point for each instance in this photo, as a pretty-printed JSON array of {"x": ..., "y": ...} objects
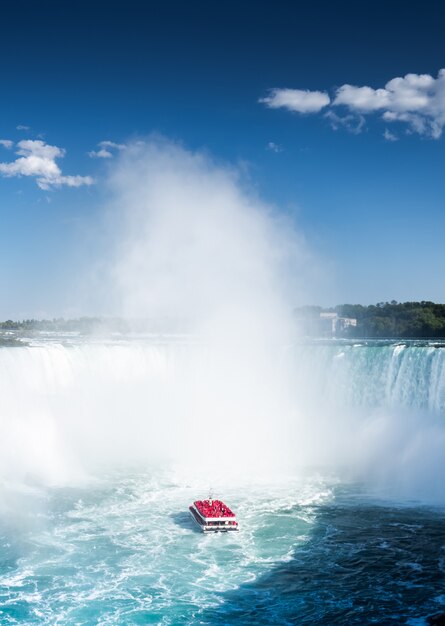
[{"x": 195, "y": 243}]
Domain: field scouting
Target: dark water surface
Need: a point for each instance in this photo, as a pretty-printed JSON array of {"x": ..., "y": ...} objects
[{"x": 360, "y": 565}]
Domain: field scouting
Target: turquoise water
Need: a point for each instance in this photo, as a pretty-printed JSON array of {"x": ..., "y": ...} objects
[
  {"x": 94, "y": 525},
  {"x": 124, "y": 551}
]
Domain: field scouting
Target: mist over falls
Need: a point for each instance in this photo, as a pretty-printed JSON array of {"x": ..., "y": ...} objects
[
  {"x": 70, "y": 411},
  {"x": 73, "y": 410}
]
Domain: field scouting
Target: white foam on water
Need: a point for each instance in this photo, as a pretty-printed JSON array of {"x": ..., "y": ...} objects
[{"x": 131, "y": 546}]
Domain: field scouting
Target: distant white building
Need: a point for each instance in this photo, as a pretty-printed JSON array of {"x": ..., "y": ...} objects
[{"x": 331, "y": 323}]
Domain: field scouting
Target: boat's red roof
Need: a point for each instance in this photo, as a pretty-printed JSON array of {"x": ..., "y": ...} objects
[{"x": 213, "y": 508}]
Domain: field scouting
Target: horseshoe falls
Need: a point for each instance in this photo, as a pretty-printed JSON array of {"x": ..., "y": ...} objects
[{"x": 330, "y": 452}]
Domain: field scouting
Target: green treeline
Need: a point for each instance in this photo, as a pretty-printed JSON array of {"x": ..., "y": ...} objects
[
  {"x": 83, "y": 324},
  {"x": 94, "y": 325},
  {"x": 386, "y": 319},
  {"x": 396, "y": 319}
]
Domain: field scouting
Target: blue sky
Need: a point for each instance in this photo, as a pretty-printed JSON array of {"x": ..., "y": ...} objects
[{"x": 360, "y": 169}]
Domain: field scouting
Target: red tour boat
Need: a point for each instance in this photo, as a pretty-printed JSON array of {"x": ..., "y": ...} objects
[{"x": 213, "y": 516}]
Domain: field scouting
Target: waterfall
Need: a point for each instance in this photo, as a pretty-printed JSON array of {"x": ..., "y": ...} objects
[
  {"x": 393, "y": 375},
  {"x": 70, "y": 408},
  {"x": 67, "y": 407}
]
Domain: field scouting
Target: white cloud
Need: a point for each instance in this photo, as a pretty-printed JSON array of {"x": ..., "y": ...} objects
[
  {"x": 274, "y": 147},
  {"x": 38, "y": 159},
  {"x": 353, "y": 123},
  {"x": 6, "y": 143},
  {"x": 105, "y": 150},
  {"x": 389, "y": 136},
  {"x": 411, "y": 93},
  {"x": 22, "y": 127},
  {"x": 364, "y": 99},
  {"x": 416, "y": 100},
  {"x": 112, "y": 144},
  {"x": 100, "y": 154},
  {"x": 296, "y": 100}
]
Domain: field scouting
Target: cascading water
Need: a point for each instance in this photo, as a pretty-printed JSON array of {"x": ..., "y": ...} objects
[
  {"x": 68, "y": 408},
  {"x": 378, "y": 374},
  {"x": 72, "y": 406}
]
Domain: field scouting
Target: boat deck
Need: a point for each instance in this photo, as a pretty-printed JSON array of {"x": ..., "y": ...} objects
[{"x": 213, "y": 509}]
